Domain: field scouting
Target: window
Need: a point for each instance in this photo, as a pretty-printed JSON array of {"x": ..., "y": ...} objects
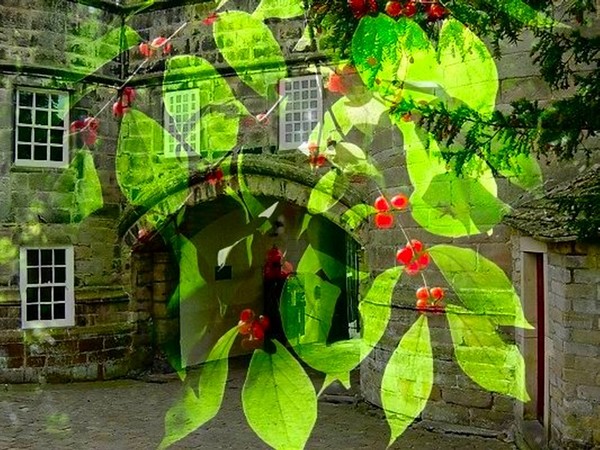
[
  {"x": 182, "y": 121},
  {"x": 41, "y": 128},
  {"x": 301, "y": 111},
  {"x": 46, "y": 285}
]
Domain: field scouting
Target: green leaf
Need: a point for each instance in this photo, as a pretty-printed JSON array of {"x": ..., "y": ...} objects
[
  {"x": 481, "y": 285},
  {"x": 144, "y": 174},
  {"x": 327, "y": 192},
  {"x": 376, "y": 308},
  {"x": 442, "y": 202},
  {"x": 357, "y": 214},
  {"x": 281, "y": 9},
  {"x": 250, "y": 48},
  {"x": 523, "y": 13},
  {"x": 336, "y": 124},
  {"x": 408, "y": 379},
  {"x": 525, "y": 172},
  {"x": 484, "y": 356},
  {"x": 468, "y": 69},
  {"x": 87, "y": 52},
  {"x": 279, "y": 399},
  {"x": 193, "y": 411},
  {"x": 346, "y": 153}
]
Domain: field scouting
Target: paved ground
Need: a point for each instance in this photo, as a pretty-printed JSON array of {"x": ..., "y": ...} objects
[{"x": 130, "y": 415}]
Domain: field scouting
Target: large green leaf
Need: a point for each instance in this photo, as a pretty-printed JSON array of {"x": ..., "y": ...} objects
[
  {"x": 194, "y": 410},
  {"x": 357, "y": 214},
  {"x": 482, "y": 286},
  {"x": 250, "y": 48},
  {"x": 484, "y": 356},
  {"x": 86, "y": 52},
  {"x": 335, "y": 125},
  {"x": 282, "y": 9},
  {"x": 468, "y": 70},
  {"x": 408, "y": 378},
  {"x": 525, "y": 172},
  {"x": 376, "y": 308},
  {"x": 338, "y": 359},
  {"x": 442, "y": 202},
  {"x": 143, "y": 172},
  {"x": 279, "y": 399},
  {"x": 327, "y": 192}
]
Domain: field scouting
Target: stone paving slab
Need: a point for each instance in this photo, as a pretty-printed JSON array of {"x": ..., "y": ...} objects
[{"x": 129, "y": 414}]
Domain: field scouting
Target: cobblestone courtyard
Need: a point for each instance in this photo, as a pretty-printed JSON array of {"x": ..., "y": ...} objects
[{"x": 128, "y": 414}]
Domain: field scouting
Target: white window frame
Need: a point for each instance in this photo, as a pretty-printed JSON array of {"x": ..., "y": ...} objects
[
  {"x": 178, "y": 119},
  {"x": 24, "y": 284},
  {"x": 298, "y": 116},
  {"x": 48, "y": 128}
]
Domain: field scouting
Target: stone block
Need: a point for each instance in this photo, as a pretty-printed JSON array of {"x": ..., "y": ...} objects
[
  {"x": 467, "y": 397},
  {"x": 586, "y": 276},
  {"x": 443, "y": 412},
  {"x": 590, "y": 393},
  {"x": 575, "y": 348}
]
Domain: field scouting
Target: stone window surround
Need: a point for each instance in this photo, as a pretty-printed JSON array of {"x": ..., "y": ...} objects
[
  {"x": 69, "y": 298},
  {"x": 287, "y": 144},
  {"x": 47, "y": 145}
]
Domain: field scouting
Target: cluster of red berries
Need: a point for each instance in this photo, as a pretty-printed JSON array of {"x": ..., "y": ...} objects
[
  {"x": 87, "y": 127},
  {"x": 253, "y": 328},
  {"x": 431, "y": 9},
  {"x": 149, "y": 49},
  {"x": 413, "y": 257},
  {"x": 430, "y": 298},
  {"x": 316, "y": 159},
  {"x": 340, "y": 81},
  {"x": 385, "y": 219},
  {"x": 214, "y": 177},
  {"x": 126, "y": 99}
]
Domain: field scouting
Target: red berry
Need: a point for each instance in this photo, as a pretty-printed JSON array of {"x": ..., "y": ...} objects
[
  {"x": 384, "y": 220},
  {"x": 210, "y": 19},
  {"x": 410, "y": 9},
  {"x": 436, "y": 12},
  {"x": 264, "y": 322},
  {"x": 393, "y": 8},
  {"x": 90, "y": 123},
  {"x": 416, "y": 245},
  {"x": 218, "y": 173},
  {"x": 76, "y": 125},
  {"x": 320, "y": 160},
  {"x": 336, "y": 84},
  {"x": 404, "y": 256},
  {"x": 412, "y": 268},
  {"x": 257, "y": 331},
  {"x": 437, "y": 293},
  {"x": 361, "y": 8},
  {"x": 381, "y": 204},
  {"x": 145, "y": 50},
  {"x": 119, "y": 109},
  {"x": 400, "y": 201},
  {"x": 247, "y": 315},
  {"x": 129, "y": 95},
  {"x": 422, "y": 304},
  {"x": 422, "y": 293},
  {"x": 244, "y": 328},
  {"x": 89, "y": 137},
  {"x": 423, "y": 261}
]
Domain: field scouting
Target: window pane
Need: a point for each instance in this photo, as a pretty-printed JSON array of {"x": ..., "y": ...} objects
[
  {"x": 33, "y": 257},
  {"x": 25, "y": 98},
  {"x": 33, "y": 276},
  {"x": 59, "y": 294},
  {"x": 41, "y": 117},
  {"x": 59, "y": 257},
  {"x": 59, "y": 275},
  {"x": 59, "y": 310},
  {"x": 24, "y": 151},
  {"x": 32, "y": 312},
  {"x": 56, "y": 119},
  {"x": 40, "y": 153},
  {"x": 56, "y": 136},
  {"x": 56, "y": 153},
  {"x": 47, "y": 275},
  {"x": 46, "y": 294},
  {"x": 32, "y": 295},
  {"x": 24, "y": 134},
  {"x": 41, "y": 100},
  {"x": 25, "y": 116},
  {"x": 40, "y": 135},
  {"x": 46, "y": 312},
  {"x": 46, "y": 257}
]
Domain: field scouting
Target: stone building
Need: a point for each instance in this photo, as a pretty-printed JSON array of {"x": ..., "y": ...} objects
[{"x": 94, "y": 274}]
